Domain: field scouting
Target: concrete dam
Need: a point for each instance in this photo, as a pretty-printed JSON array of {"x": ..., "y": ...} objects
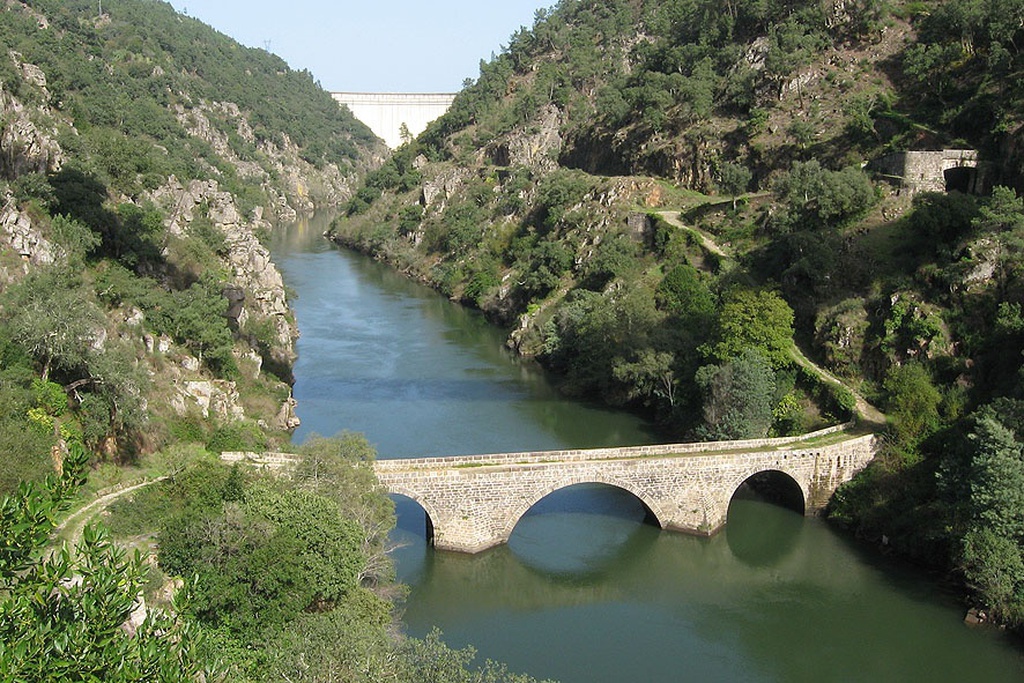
[{"x": 385, "y": 113}]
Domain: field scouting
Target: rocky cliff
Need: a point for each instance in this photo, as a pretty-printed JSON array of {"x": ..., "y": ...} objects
[{"x": 142, "y": 156}]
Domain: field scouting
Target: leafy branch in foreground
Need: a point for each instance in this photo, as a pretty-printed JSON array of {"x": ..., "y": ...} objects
[{"x": 66, "y": 616}]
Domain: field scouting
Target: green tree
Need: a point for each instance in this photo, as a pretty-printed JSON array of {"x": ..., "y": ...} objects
[
  {"x": 993, "y": 546},
  {"x": 62, "y": 615},
  {"x": 430, "y": 660},
  {"x": 349, "y": 643},
  {"x": 260, "y": 562},
  {"x": 1002, "y": 212},
  {"x": 341, "y": 468},
  {"x": 683, "y": 294},
  {"x": 942, "y": 218},
  {"x": 1002, "y": 218},
  {"x": 739, "y": 396},
  {"x": 650, "y": 374},
  {"x": 733, "y": 180},
  {"x": 913, "y": 403},
  {"x": 76, "y": 238},
  {"x": 199, "y": 320},
  {"x": 820, "y": 198},
  {"x": 761, "y": 320},
  {"x": 53, "y": 319}
]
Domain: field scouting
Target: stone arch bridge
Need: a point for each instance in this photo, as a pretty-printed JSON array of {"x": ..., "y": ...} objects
[{"x": 474, "y": 502}]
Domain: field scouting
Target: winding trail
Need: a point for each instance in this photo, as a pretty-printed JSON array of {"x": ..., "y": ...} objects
[
  {"x": 74, "y": 523},
  {"x": 672, "y": 218},
  {"x": 865, "y": 410}
]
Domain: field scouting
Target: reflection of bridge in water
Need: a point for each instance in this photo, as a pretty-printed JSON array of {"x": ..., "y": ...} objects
[
  {"x": 690, "y": 569},
  {"x": 474, "y": 502}
]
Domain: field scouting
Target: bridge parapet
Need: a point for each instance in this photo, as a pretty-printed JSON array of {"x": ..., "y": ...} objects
[{"x": 596, "y": 454}]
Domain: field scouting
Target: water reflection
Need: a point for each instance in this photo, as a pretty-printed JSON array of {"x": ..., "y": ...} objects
[
  {"x": 758, "y": 539},
  {"x": 580, "y": 533},
  {"x": 796, "y": 606}
]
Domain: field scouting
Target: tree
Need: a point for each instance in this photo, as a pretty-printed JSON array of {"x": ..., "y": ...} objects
[
  {"x": 761, "y": 320},
  {"x": 942, "y": 218},
  {"x": 1003, "y": 212},
  {"x": 682, "y": 294},
  {"x": 63, "y": 616},
  {"x": 821, "y": 198},
  {"x": 198, "y": 319},
  {"x": 733, "y": 179},
  {"x": 649, "y": 375},
  {"x": 739, "y": 396},
  {"x": 997, "y": 479},
  {"x": 993, "y": 546},
  {"x": 430, "y": 660},
  {"x": 1002, "y": 217},
  {"x": 349, "y": 643},
  {"x": 341, "y": 468},
  {"x": 913, "y": 403},
  {"x": 53, "y": 320},
  {"x": 261, "y": 561}
]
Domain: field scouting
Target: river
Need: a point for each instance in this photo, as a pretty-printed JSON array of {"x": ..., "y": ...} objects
[{"x": 585, "y": 592}]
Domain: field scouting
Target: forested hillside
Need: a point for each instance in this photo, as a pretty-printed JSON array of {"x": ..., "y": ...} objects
[
  {"x": 663, "y": 201},
  {"x": 144, "y": 330},
  {"x": 143, "y": 155}
]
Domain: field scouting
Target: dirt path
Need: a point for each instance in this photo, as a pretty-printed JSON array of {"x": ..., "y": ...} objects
[
  {"x": 71, "y": 528},
  {"x": 672, "y": 218},
  {"x": 865, "y": 411}
]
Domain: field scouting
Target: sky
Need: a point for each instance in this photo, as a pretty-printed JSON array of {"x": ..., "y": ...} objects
[{"x": 373, "y": 45}]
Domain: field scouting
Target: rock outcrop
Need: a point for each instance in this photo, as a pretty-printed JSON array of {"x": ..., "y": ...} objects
[
  {"x": 23, "y": 238},
  {"x": 536, "y": 145},
  {"x": 28, "y": 143},
  {"x": 292, "y": 184},
  {"x": 259, "y": 292}
]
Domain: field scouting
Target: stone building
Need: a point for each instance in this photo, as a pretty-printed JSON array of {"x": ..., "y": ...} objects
[{"x": 941, "y": 170}]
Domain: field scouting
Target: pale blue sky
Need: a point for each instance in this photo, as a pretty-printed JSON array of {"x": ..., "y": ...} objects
[{"x": 374, "y": 46}]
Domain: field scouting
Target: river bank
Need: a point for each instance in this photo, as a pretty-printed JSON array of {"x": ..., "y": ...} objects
[{"x": 584, "y": 591}]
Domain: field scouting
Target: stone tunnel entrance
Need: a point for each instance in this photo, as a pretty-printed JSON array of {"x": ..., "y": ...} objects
[{"x": 960, "y": 179}]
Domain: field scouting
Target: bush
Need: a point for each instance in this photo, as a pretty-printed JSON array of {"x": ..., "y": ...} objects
[{"x": 237, "y": 436}]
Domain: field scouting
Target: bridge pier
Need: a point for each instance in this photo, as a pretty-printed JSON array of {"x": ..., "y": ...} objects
[{"x": 475, "y": 502}]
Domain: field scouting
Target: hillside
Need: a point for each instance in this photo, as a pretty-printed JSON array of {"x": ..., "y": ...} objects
[
  {"x": 660, "y": 199},
  {"x": 143, "y": 156}
]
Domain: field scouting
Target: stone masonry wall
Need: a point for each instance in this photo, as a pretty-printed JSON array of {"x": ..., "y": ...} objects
[
  {"x": 475, "y": 502},
  {"x": 924, "y": 171}
]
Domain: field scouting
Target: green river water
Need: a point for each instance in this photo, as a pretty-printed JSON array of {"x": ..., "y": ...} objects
[{"x": 585, "y": 592}]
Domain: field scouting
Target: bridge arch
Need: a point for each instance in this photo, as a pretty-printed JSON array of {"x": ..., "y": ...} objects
[
  {"x": 649, "y": 502},
  {"x": 789, "y": 481},
  {"x": 429, "y": 510}
]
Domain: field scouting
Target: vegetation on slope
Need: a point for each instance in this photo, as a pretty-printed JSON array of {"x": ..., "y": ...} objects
[
  {"x": 141, "y": 151},
  {"x": 291, "y": 578},
  {"x": 548, "y": 197},
  {"x": 274, "y": 578}
]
